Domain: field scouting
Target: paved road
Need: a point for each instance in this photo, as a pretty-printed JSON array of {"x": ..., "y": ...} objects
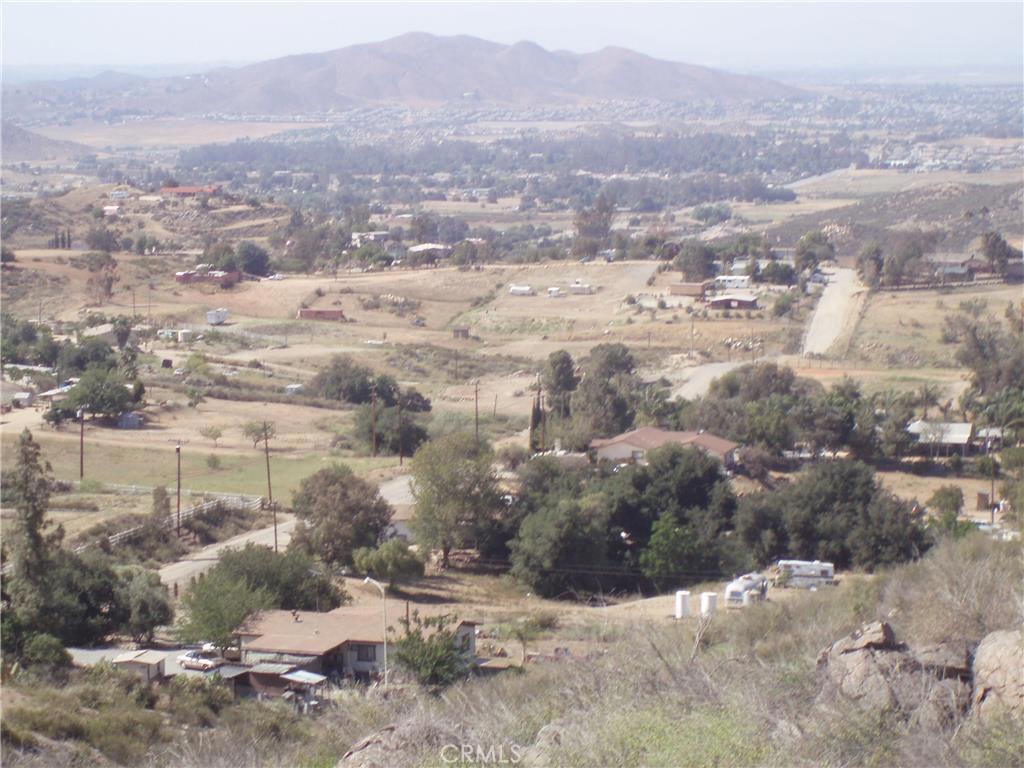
[
  {"x": 699, "y": 378},
  {"x": 397, "y": 492},
  {"x": 836, "y": 311},
  {"x": 183, "y": 571}
]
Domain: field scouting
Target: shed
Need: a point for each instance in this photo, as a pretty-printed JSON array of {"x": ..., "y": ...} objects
[
  {"x": 294, "y": 389},
  {"x": 217, "y": 316},
  {"x": 22, "y": 399},
  {"x": 460, "y": 332},
  {"x": 696, "y": 290},
  {"x": 148, "y": 665}
]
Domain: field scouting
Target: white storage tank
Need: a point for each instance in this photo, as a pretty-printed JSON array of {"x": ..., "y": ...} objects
[
  {"x": 708, "y": 603},
  {"x": 682, "y": 604}
]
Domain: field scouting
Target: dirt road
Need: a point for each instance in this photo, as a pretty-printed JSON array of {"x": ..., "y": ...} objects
[
  {"x": 396, "y": 492},
  {"x": 836, "y": 312}
]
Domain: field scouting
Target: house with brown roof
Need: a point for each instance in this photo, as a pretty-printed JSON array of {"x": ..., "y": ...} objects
[
  {"x": 632, "y": 447},
  {"x": 348, "y": 641}
]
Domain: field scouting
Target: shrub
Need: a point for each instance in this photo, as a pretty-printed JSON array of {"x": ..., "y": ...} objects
[
  {"x": 213, "y": 461},
  {"x": 46, "y": 654}
]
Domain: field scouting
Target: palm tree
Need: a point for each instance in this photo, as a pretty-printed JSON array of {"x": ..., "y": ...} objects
[{"x": 927, "y": 396}]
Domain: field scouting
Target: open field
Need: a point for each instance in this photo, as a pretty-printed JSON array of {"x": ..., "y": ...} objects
[
  {"x": 165, "y": 131},
  {"x": 854, "y": 183},
  {"x": 904, "y": 328},
  {"x": 773, "y": 213}
]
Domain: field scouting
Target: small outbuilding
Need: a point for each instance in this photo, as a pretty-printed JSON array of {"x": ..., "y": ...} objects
[
  {"x": 148, "y": 665},
  {"x": 460, "y": 332}
]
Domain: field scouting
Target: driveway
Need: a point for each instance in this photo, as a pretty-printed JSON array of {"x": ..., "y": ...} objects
[
  {"x": 836, "y": 312},
  {"x": 396, "y": 492}
]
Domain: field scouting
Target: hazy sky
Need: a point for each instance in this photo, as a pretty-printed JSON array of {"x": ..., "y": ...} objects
[{"x": 739, "y": 36}]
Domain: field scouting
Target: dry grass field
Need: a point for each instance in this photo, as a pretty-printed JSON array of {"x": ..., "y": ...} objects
[
  {"x": 855, "y": 183},
  {"x": 904, "y": 328}
]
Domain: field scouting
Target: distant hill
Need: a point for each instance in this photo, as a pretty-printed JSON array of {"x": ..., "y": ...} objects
[
  {"x": 416, "y": 69},
  {"x": 17, "y": 144}
]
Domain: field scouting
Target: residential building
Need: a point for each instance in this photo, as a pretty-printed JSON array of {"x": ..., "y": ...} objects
[
  {"x": 348, "y": 641},
  {"x": 632, "y": 447},
  {"x": 148, "y": 665}
]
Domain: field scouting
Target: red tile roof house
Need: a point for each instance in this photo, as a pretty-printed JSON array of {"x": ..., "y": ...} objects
[
  {"x": 348, "y": 641},
  {"x": 632, "y": 447}
]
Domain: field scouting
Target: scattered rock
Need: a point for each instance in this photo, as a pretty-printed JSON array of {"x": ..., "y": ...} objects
[{"x": 999, "y": 673}]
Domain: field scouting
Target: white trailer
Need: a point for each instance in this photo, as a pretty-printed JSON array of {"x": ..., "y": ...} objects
[
  {"x": 754, "y": 584},
  {"x": 804, "y": 574},
  {"x": 521, "y": 290},
  {"x": 216, "y": 316}
]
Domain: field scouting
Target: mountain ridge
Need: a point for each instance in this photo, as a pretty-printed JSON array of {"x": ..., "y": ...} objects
[{"x": 416, "y": 69}]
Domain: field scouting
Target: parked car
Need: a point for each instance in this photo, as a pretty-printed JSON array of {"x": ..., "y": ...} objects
[{"x": 202, "y": 660}]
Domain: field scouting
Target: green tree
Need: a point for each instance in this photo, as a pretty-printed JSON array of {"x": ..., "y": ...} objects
[
  {"x": 252, "y": 259},
  {"x": 258, "y": 431},
  {"x": 429, "y": 652},
  {"x": 392, "y": 560},
  {"x": 7, "y": 255},
  {"x": 216, "y": 606},
  {"x": 812, "y": 249},
  {"x": 45, "y": 653},
  {"x": 696, "y": 260},
  {"x": 560, "y": 381},
  {"x": 100, "y": 392},
  {"x": 148, "y": 604},
  {"x": 338, "y": 513},
  {"x": 212, "y": 432},
  {"x": 561, "y": 548},
  {"x": 998, "y": 252},
  {"x": 455, "y": 491},
  {"x": 389, "y": 439},
  {"x": 290, "y": 579},
  {"x": 672, "y": 554}
]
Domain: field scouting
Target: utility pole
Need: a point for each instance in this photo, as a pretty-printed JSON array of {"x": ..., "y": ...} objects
[
  {"x": 456, "y": 364},
  {"x": 177, "y": 450},
  {"x": 81, "y": 443},
  {"x": 476, "y": 411},
  {"x": 133, "y": 302},
  {"x": 543, "y": 421},
  {"x": 401, "y": 448},
  {"x": 692, "y": 319},
  {"x": 373, "y": 420},
  {"x": 494, "y": 413},
  {"x": 270, "y": 490}
]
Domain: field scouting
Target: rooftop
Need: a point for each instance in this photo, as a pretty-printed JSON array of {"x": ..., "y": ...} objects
[{"x": 648, "y": 438}]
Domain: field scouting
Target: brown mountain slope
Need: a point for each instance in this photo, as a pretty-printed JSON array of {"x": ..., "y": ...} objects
[
  {"x": 415, "y": 69},
  {"x": 17, "y": 144}
]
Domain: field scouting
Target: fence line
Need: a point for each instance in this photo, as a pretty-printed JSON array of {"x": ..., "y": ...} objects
[{"x": 232, "y": 501}]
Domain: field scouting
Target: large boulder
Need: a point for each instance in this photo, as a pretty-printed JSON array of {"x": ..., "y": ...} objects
[
  {"x": 870, "y": 667},
  {"x": 999, "y": 673},
  {"x": 384, "y": 748}
]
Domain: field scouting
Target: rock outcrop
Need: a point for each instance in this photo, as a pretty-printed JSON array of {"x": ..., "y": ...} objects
[
  {"x": 999, "y": 674},
  {"x": 872, "y": 668}
]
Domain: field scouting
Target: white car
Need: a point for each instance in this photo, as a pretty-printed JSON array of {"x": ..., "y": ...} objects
[{"x": 202, "y": 660}]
